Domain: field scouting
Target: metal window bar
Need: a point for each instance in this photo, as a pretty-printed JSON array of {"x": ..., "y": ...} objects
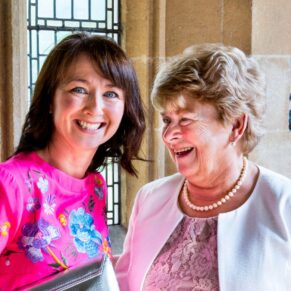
[{"x": 48, "y": 21}]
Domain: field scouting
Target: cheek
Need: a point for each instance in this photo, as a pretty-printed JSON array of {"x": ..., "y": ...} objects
[
  {"x": 70, "y": 102},
  {"x": 116, "y": 112},
  {"x": 200, "y": 134},
  {"x": 63, "y": 105}
]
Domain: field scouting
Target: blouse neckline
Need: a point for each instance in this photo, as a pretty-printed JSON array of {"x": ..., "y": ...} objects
[{"x": 62, "y": 178}]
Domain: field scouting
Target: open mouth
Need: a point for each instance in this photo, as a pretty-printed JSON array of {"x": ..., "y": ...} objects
[
  {"x": 183, "y": 151},
  {"x": 90, "y": 126}
]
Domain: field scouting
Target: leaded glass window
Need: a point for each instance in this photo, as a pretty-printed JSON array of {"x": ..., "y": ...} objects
[{"x": 49, "y": 21}]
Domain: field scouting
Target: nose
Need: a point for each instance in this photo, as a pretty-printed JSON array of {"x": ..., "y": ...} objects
[
  {"x": 95, "y": 104},
  {"x": 172, "y": 133}
]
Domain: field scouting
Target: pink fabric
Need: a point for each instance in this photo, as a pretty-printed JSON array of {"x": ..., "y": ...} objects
[
  {"x": 188, "y": 261},
  {"x": 47, "y": 219}
]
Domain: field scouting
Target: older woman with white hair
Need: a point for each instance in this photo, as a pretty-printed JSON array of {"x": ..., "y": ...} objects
[{"x": 222, "y": 222}]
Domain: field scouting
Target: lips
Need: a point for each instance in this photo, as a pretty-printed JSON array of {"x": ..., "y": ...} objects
[
  {"x": 90, "y": 126},
  {"x": 183, "y": 151}
]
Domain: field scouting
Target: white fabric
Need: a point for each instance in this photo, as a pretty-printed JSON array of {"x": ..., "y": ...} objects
[{"x": 254, "y": 241}]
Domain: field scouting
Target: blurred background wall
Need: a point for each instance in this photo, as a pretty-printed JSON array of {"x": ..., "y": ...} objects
[{"x": 152, "y": 31}]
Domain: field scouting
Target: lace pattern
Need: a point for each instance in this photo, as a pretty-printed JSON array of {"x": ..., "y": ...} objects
[{"x": 188, "y": 261}]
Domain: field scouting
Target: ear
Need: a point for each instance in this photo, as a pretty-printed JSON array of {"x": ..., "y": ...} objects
[{"x": 239, "y": 126}]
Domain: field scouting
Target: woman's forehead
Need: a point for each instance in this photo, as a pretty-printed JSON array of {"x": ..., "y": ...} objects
[
  {"x": 180, "y": 102},
  {"x": 185, "y": 103},
  {"x": 77, "y": 68}
]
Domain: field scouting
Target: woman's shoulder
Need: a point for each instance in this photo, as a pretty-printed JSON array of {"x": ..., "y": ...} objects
[
  {"x": 18, "y": 160},
  {"x": 162, "y": 187},
  {"x": 12, "y": 181},
  {"x": 157, "y": 195},
  {"x": 274, "y": 180},
  {"x": 165, "y": 182},
  {"x": 16, "y": 165}
]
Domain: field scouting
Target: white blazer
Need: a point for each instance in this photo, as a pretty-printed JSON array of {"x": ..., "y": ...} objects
[{"x": 254, "y": 241}]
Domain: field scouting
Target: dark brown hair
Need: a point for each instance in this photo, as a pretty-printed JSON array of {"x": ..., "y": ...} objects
[{"x": 110, "y": 59}]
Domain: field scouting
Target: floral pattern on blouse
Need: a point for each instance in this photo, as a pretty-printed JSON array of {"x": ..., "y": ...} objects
[
  {"x": 106, "y": 245},
  {"x": 49, "y": 220},
  {"x": 42, "y": 185},
  {"x": 4, "y": 228},
  {"x": 99, "y": 188},
  {"x": 188, "y": 261},
  {"x": 49, "y": 204},
  {"x": 87, "y": 239},
  {"x": 36, "y": 238},
  {"x": 63, "y": 219},
  {"x": 32, "y": 204}
]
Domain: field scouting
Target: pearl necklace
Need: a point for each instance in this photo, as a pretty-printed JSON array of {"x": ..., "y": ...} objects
[{"x": 223, "y": 200}]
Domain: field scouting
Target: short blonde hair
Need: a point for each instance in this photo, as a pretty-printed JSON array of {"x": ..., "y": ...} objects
[{"x": 221, "y": 75}]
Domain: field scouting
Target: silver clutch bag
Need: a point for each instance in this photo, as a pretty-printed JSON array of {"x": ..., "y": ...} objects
[{"x": 98, "y": 275}]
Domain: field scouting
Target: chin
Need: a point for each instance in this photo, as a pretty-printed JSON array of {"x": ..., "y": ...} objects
[
  {"x": 186, "y": 171},
  {"x": 88, "y": 147}
]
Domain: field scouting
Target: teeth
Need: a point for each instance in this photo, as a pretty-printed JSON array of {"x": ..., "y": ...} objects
[
  {"x": 182, "y": 150},
  {"x": 89, "y": 126}
]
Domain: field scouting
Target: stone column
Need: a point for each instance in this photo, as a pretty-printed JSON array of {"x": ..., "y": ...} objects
[
  {"x": 13, "y": 72},
  {"x": 137, "y": 42}
]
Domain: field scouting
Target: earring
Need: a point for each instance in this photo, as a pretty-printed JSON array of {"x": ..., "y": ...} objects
[{"x": 233, "y": 143}]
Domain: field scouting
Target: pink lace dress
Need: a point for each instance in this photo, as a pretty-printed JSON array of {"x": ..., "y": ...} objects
[{"x": 188, "y": 261}]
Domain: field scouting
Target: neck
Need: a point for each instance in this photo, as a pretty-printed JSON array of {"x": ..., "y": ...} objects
[
  {"x": 65, "y": 160},
  {"x": 219, "y": 203},
  {"x": 216, "y": 184}
]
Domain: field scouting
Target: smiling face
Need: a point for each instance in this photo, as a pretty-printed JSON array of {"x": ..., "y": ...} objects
[
  {"x": 87, "y": 109},
  {"x": 197, "y": 140}
]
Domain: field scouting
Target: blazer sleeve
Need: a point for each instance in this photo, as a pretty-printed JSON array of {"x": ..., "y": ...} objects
[{"x": 123, "y": 264}]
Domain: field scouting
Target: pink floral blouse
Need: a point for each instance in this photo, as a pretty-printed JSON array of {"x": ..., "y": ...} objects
[
  {"x": 49, "y": 221},
  {"x": 188, "y": 261}
]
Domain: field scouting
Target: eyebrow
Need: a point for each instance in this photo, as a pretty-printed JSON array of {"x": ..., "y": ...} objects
[
  {"x": 111, "y": 85},
  {"x": 82, "y": 80},
  {"x": 74, "y": 79},
  {"x": 165, "y": 112}
]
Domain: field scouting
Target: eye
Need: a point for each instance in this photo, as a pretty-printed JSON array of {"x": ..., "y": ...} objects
[
  {"x": 166, "y": 120},
  {"x": 185, "y": 121},
  {"x": 111, "y": 94},
  {"x": 79, "y": 90}
]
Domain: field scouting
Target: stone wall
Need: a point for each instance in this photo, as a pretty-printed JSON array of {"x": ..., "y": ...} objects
[
  {"x": 152, "y": 31},
  {"x": 271, "y": 45},
  {"x": 157, "y": 29}
]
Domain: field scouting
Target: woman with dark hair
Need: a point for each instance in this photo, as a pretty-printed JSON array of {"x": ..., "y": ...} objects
[{"x": 86, "y": 108}]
